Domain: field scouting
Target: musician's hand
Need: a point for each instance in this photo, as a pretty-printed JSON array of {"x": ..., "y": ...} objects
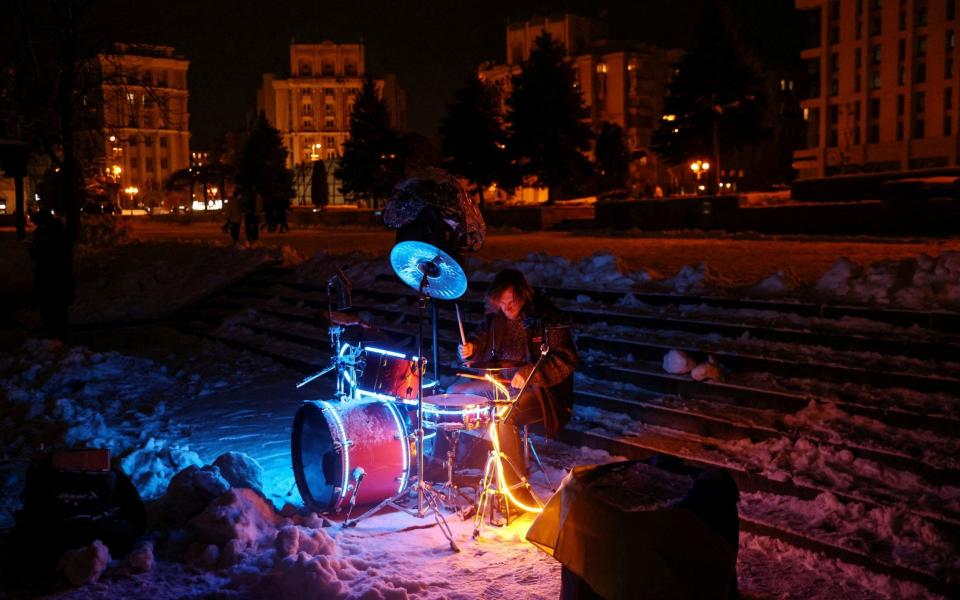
[
  {"x": 517, "y": 381},
  {"x": 465, "y": 350}
]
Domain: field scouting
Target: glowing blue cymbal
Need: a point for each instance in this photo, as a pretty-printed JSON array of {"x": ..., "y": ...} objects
[{"x": 419, "y": 263}]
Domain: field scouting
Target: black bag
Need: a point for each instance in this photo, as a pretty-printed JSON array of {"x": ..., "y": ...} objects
[{"x": 68, "y": 509}]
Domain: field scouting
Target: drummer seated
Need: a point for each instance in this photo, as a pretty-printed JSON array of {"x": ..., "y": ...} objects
[
  {"x": 517, "y": 325},
  {"x": 518, "y": 322}
]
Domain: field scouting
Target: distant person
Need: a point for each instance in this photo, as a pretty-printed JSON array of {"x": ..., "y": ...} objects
[
  {"x": 252, "y": 205},
  {"x": 234, "y": 217},
  {"x": 53, "y": 273}
]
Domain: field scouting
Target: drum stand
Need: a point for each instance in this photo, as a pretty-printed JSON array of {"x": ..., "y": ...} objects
[
  {"x": 493, "y": 490},
  {"x": 427, "y": 498}
]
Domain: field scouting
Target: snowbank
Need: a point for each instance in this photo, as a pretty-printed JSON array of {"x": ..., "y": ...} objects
[{"x": 914, "y": 283}]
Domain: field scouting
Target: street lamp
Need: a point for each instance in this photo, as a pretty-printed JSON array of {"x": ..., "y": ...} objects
[
  {"x": 699, "y": 167},
  {"x": 131, "y": 191}
]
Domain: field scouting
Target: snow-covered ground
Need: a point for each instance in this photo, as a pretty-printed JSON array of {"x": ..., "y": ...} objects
[{"x": 166, "y": 403}]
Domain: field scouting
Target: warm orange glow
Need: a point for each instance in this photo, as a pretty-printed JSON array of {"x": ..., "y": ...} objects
[
  {"x": 670, "y": 118},
  {"x": 117, "y": 169},
  {"x": 501, "y": 480}
]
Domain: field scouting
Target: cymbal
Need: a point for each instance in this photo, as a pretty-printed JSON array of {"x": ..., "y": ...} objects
[{"x": 419, "y": 263}]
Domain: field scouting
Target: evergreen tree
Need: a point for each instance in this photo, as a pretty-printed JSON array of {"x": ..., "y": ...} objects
[
  {"x": 262, "y": 168},
  {"x": 371, "y": 164},
  {"x": 473, "y": 139},
  {"x": 715, "y": 99},
  {"x": 612, "y": 161},
  {"x": 547, "y": 132}
]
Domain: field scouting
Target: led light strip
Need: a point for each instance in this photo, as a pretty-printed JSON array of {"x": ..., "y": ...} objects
[
  {"x": 404, "y": 446},
  {"x": 344, "y": 445},
  {"x": 387, "y": 352},
  {"x": 376, "y": 396},
  {"x": 500, "y": 477},
  {"x": 447, "y": 411}
]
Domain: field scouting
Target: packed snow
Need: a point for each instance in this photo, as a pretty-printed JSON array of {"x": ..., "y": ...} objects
[{"x": 218, "y": 525}]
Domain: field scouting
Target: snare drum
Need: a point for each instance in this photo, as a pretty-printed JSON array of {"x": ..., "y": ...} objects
[
  {"x": 443, "y": 411},
  {"x": 386, "y": 374}
]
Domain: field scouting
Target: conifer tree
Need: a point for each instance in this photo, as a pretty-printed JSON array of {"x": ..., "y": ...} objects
[
  {"x": 612, "y": 162},
  {"x": 548, "y": 134},
  {"x": 262, "y": 167},
  {"x": 715, "y": 98},
  {"x": 371, "y": 164},
  {"x": 473, "y": 139}
]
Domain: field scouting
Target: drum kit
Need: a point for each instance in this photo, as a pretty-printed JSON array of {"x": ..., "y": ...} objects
[{"x": 367, "y": 446}]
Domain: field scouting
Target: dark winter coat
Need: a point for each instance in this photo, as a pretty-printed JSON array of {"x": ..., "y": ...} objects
[{"x": 552, "y": 384}]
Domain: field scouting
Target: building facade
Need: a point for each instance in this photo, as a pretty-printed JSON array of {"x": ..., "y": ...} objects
[
  {"x": 622, "y": 82},
  {"x": 136, "y": 121},
  {"x": 311, "y": 108},
  {"x": 882, "y": 90}
]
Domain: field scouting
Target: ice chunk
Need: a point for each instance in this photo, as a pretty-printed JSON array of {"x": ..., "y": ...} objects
[
  {"x": 85, "y": 565},
  {"x": 240, "y": 470},
  {"x": 678, "y": 362}
]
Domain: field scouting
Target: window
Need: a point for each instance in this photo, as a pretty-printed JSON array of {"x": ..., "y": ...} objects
[
  {"x": 859, "y": 19},
  {"x": 164, "y": 164},
  {"x": 306, "y": 109},
  {"x": 833, "y": 120},
  {"x": 834, "y": 25},
  {"x": 873, "y": 131},
  {"x": 857, "y": 69},
  {"x": 947, "y": 109},
  {"x": 330, "y": 123},
  {"x": 812, "y": 117},
  {"x": 329, "y": 109},
  {"x": 921, "y": 46},
  {"x": 876, "y": 17},
  {"x": 328, "y": 91},
  {"x": 856, "y": 123},
  {"x": 327, "y": 69},
  {"x": 350, "y": 69},
  {"x": 149, "y": 163},
  {"x": 305, "y": 69},
  {"x": 919, "y": 109},
  {"x": 900, "y": 105},
  {"x": 163, "y": 142},
  {"x": 951, "y": 10},
  {"x": 949, "y": 44},
  {"x": 147, "y": 140},
  {"x": 920, "y": 13},
  {"x": 920, "y": 72},
  {"x": 162, "y": 78},
  {"x": 834, "y": 74}
]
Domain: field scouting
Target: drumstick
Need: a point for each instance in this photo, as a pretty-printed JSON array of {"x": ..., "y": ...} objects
[
  {"x": 481, "y": 377},
  {"x": 463, "y": 336}
]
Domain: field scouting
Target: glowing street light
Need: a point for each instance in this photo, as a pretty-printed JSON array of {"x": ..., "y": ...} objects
[
  {"x": 116, "y": 170},
  {"x": 131, "y": 191},
  {"x": 699, "y": 167}
]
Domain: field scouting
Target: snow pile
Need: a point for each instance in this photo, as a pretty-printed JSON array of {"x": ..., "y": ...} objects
[
  {"x": 915, "y": 283},
  {"x": 693, "y": 279},
  {"x": 780, "y": 283},
  {"x": 85, "y": 565},
  {"x": 602, "y": 270},
  {"x": 141, "y": 286}
]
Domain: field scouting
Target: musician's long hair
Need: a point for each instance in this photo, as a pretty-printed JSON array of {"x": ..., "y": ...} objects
[{"x": 509, "y": 279}]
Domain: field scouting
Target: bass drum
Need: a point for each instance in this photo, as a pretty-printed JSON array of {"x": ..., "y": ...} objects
[{"x": 333, "y": 443}]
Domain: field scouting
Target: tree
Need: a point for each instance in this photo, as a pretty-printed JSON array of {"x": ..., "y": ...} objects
[
  {"x": 262, "y": 168},
  {"x": 716, "y": 96},
  {"x": 319, "y": 192},
  {"x": 612, "y": 160},
  {"x": 546, "y": 116},
  {"x": 371, "y": 164},
  {"x": 473, "y": 139}
]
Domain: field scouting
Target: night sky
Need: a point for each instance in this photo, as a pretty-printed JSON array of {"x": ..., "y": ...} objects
[{"x": 432, "y": 47}]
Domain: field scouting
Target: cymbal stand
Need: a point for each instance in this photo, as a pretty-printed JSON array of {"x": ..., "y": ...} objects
[
  {"x": 493, "y": 490},
  {"x": 427, "y": 498}
]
